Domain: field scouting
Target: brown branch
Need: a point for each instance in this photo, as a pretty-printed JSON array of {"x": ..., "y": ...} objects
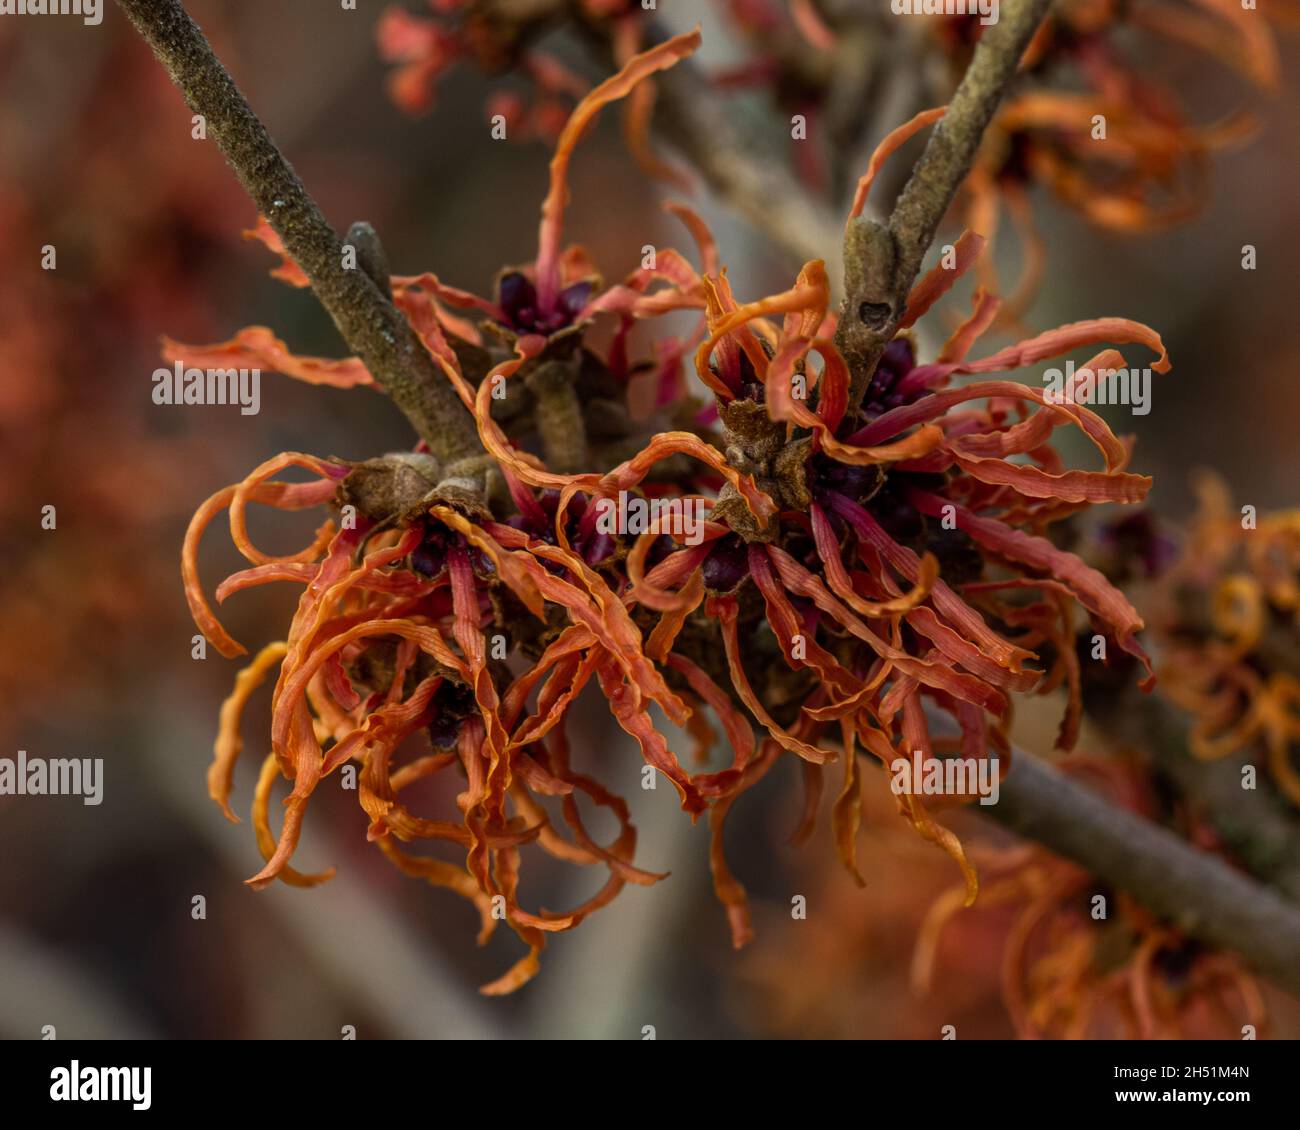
[
  {"x": 881, "y": 262},
  {"x": 558, "y": 414},
  {"x": 371, "y": 325},
  {"x": 1256, "y": 825},
  {"x": 1197, "y": 892}
]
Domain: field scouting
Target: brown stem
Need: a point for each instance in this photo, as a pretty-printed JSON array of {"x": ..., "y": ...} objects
[
  {"x": 1197, "y": 892},
  {"x": 1257, "y": 826},
  {"x": 559, "y": 416},
  {"x": 372, "y": 327},
  {"x": 881, "y": 262}
]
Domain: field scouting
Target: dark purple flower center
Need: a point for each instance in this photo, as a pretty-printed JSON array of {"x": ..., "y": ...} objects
[
  {"x": 857, "y": 483},
  {"x": 727, "y": 565},
  {"x": 517, "y": 297},
  {"x": 895, "y": 363},
  {"x": 430, "y": 556},
  {"x": 451, "y": 704}
]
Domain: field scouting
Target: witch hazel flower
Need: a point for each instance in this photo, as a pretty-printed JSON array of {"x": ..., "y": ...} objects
[
  {"x": 393, "y": 636},
  {"x": 542, "y": 308},
  {"x": 414, "y": 599},
  {"x": 862, "y": 570},
  {"x": 906, "y": 537}
]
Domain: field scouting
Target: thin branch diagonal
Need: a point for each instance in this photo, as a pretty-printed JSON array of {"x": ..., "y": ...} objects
[
  {"x": 370, "y": 324},
  {"x": 881, "y": 261},
  {"x": 1198, "y": 892}
]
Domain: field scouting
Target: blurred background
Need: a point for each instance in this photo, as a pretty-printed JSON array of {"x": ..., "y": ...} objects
[{"x": 96, "y": 932}]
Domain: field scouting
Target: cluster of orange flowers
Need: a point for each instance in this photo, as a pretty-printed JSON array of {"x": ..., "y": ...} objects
[
  {"x": 1230, "y": 610},
  {"x": 864, "y": 570}
]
